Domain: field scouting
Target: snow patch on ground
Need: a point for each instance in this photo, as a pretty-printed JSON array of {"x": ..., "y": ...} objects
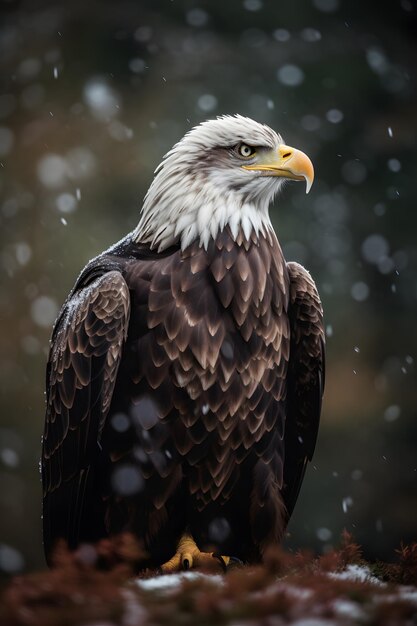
[
  {"x": 298, "y": 592},
  {"x": 357, "y": 573},
  {"x": 313, "y": 621},
  {"x": 172, "y": 581},
  {"x": 348, "y": 609},
  {"x": 407, "y": 594},
  {"x": 135, "y": 613}
]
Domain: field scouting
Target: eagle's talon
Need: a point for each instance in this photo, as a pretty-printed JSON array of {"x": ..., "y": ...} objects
[
  {"x": 189, "y": 556},
  {"x": 222, "y": 560},
  {"x": 228, "y": 562}
]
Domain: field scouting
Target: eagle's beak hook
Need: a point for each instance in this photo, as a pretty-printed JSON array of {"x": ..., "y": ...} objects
[{"x": 286, "y": 162}]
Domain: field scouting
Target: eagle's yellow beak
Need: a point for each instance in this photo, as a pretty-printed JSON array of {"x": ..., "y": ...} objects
[{"x": 288, "y": 163}]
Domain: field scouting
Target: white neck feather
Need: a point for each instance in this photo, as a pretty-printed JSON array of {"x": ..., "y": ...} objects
[{"x": 192, "y": 209}]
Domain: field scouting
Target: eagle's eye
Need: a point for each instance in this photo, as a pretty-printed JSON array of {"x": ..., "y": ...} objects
[{"x": 245, "y": 151}]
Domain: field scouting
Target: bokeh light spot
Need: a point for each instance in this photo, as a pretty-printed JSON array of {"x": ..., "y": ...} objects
[{"x": 290, "y": 75}]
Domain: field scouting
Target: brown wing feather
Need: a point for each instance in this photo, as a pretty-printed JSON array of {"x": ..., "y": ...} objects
[
  {"x": 305, "y": 379},
  {"x": 81, "y": 373}
]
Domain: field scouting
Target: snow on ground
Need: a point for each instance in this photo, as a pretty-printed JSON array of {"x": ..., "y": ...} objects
[
  {"x": 357, "y": 573},
  {"x": 348, "y": 609},
  {"x": 407, "y": 594},
  {"x": 306, "y": 595},
  {"x": 308, "y": 603},
  {"x": 172, "y": 581}
]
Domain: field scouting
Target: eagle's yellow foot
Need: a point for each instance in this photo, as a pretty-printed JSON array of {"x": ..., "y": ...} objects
[{"x": 188, "y": 556}]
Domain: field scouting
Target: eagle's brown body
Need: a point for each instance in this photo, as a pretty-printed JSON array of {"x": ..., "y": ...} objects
[{"x": 184, "y": 393}]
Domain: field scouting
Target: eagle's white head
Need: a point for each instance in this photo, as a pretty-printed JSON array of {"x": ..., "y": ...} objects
[{"x": 223, "y": 172}]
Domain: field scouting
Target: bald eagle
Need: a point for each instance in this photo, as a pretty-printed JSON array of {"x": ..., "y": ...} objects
[{"x": 186, "y": 368}]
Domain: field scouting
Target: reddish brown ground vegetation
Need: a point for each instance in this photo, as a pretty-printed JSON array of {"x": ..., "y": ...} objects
[{"x": 96, "y": 586}]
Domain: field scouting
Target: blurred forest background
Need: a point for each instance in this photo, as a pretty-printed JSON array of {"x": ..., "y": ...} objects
[{"x": 94, "y": 93}]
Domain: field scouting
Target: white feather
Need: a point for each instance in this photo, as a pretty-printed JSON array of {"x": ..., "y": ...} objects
[{"x": 247, "y": 226}]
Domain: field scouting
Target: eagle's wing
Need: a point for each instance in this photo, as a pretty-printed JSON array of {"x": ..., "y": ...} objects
[
  {"x": 83, "y": 362},
  {"x": 305, "y": 380}
]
